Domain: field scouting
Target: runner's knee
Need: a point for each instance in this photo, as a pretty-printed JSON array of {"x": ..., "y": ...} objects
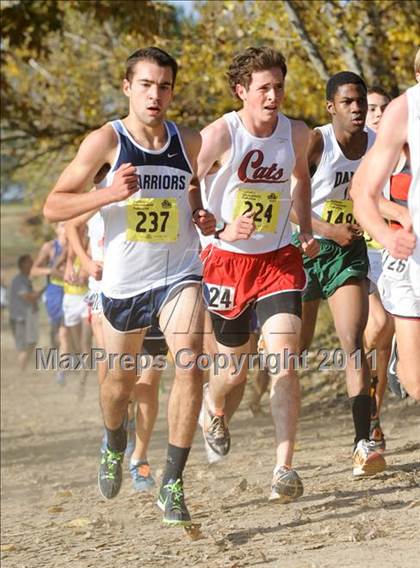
[
  {"x": 282, "y": 379},
  {"x": 378, "y": 332},
  {"x": 122, "y": 381}
]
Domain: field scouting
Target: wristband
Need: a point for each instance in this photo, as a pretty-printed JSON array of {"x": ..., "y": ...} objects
[{"x": 220, "y": 227}]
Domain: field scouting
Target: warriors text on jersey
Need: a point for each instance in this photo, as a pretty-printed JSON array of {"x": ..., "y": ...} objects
[{"x": 150, "y": 240}]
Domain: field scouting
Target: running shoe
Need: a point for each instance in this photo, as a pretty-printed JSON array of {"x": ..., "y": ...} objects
[
  {"x": 367, "y": 460},
  {"x": 81, "y": 391},
  {"x": 372, "y": 393},
  {"x": 104, "y": 443},
  {"x": 60, "y": 378},
  {"x": 377, "y": 435},
  {"x": 110, "y": 473},
  {"x": 212, "y": 457},
  {"x": 171, "y": 502},
  {"x": 393, "y": 381},
  {"x": 215, "y": 430},
  {"x": 141, "y": 475},
  {"x": 131, "y": 437},
  {"x": 286, "y": 485}
]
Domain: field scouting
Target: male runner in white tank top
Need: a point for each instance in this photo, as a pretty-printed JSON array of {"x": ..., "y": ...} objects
[
  {"x": 151, "y": 269},
  {"x": 339, "y": 273},
  {"x": 399, "y": 284},
  {"x": 252, "y": 264}
]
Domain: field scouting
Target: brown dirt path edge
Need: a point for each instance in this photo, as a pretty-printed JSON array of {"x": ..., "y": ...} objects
[{"x": 53, "y": 516}]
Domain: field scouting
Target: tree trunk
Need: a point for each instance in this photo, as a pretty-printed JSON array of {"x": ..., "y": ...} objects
[{"x": 311, "y": 49}]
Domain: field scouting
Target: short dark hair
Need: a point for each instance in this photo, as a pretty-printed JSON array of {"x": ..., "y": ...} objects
[
  {"x": 22, "y": 259},
  {"x": 342, "y": 78},
  {"x": 378, "y": 91},
  {"x": 250, "y": 60},
  {"x": 154, "y": 54}
]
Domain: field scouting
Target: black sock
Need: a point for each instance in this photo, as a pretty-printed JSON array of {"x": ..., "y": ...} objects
[
  {"x": 360, "y": 407},
  {"x": 117, "y": 439},
  {"x": 175, "y": 463}
]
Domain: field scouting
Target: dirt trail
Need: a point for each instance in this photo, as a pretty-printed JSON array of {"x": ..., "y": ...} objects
[{"x": 52, "y": 515}]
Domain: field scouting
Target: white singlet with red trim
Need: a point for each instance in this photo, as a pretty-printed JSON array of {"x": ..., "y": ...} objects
[{"x": 257, "y": 176}]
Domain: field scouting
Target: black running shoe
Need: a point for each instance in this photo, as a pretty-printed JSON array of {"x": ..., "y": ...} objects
[
  {"x": 393, "y": 381},
  {"x": 110, "y": 473},
  {"x": 171, "y": 502}
]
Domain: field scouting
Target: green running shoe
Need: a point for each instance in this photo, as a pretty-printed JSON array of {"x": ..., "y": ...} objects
[
  {"x": 171, "y": 502},
  {"x": 110, "y": 473}
]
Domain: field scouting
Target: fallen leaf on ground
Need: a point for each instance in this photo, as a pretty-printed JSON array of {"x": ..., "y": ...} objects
[
  {"x": 77, "y": 523},
  {"x": 8, "y": 548},
  {"x": 64, "y": 494},
  {"x": 56, "y": 509},
  {"x": 243, "y": 484},
  {"x": 194, "y": 531}
]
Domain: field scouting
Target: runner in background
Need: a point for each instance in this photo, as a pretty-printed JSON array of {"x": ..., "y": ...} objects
[
  {"x": 23, "y": 311},
  {"x": 50, "y": 262},
  {"x": 380, "y": 326},
  {"x": 76, "y": 312}
]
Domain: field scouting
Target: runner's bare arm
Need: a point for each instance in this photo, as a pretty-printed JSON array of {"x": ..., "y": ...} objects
[
  {"x": 314, "y": 153},
  {"x": 68, "y": 198},
  {"x": 394, "y": 212},
  {"x": 69, "y": 274},
  {"x": 302, "y": 189},
  {"x": 73, "y": 230},
  {"x": 31, "y": 297},
  {"x": 372, "y": 174},
  {"x": 204, "y": 220},
  {"x": 315, "y": 149},
  {"x": 192, "y": 143},
  {"x": 215, "y": 146},
  {"x": 40, "y": 267}
]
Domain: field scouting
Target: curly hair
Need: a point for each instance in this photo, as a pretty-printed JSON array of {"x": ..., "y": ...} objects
[{"x": 250, "y": 60}]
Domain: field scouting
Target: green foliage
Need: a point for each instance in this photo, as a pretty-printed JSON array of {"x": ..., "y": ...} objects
[{"x": 63, "y": 62}]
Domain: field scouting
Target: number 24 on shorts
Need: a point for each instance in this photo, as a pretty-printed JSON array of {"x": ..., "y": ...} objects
[{"x": 220, "y": 298}]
